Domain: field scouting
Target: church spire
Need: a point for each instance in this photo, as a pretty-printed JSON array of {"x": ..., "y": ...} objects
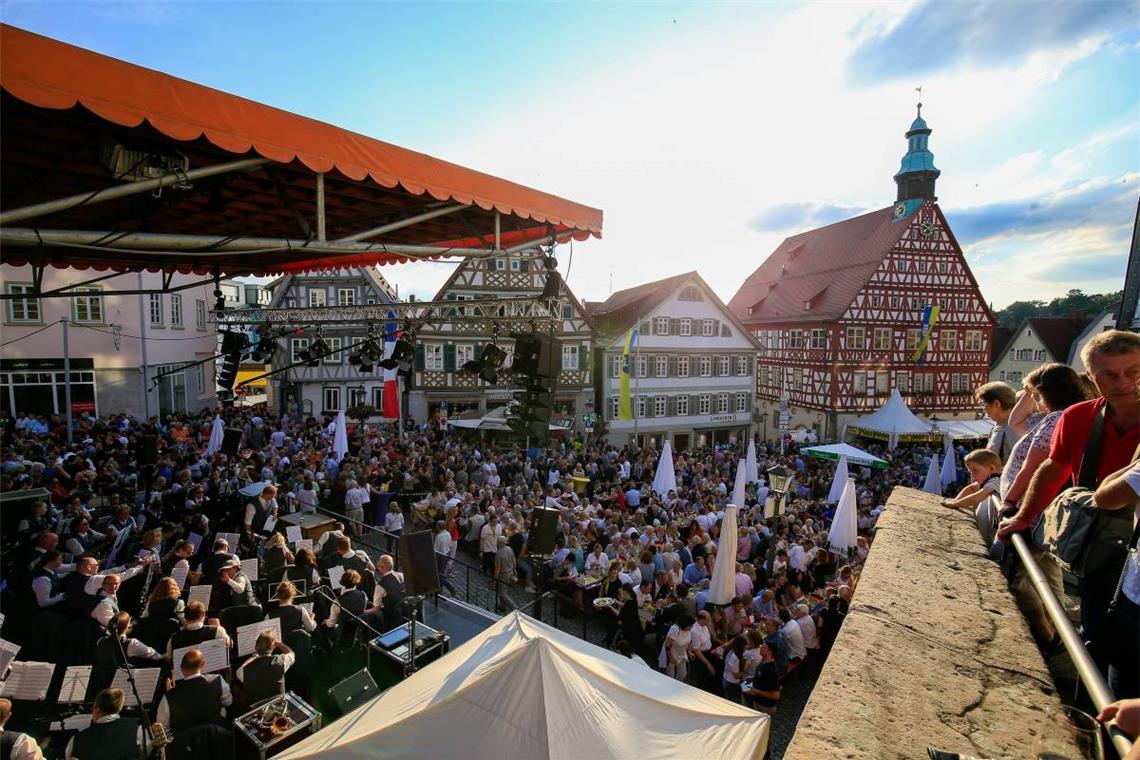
[{"x": 916, "y": 176}]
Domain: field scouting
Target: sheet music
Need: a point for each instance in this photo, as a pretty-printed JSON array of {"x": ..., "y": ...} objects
[
  {"x": 74, "y": 686},
  {"x": 8, "y": 652},
  {"x": 71, "y": 723},
  {"x": 249, "y": 567},
  {"x": 145, "y": 678},
  {"x": 247, "y": 634},
  {"x": 179, "y": 574},
  {"x": 233, "y": 539},
  {"x": 307, "y": 605},
  {"x": 195, "y": 539},
  {"x": 303, "y": 543},
  {"x": 28, "y": 681},
  {"x": 200, "y": 594},
  {"x": 293, "y": 533},
  {"x": 270, "y": 524},
  {"x": 215, "y": 651},
  {"x": 335, "y": 574}
]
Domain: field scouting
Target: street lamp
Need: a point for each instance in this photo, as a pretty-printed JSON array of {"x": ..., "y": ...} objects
[{"x": 779, "y": 482}]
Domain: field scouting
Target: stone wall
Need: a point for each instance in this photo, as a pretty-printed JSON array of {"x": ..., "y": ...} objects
[{"x": 933, "y": 653}]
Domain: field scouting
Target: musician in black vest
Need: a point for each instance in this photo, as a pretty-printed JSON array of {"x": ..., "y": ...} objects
[
  {"x": 195, "y": 699},
  {"x": 110, "y": 736},
  {"x": 352, "y": 600},
  {"x": 109, "y": 653},
  {"x": 351, "y": 559},
  {"x": 277, "y": 557},
  {"x": 293, "y": 618},
  {"x": 214, "y": 562},
  {"x": 13, "y": 744},
  {"x": 233, "y": 587},
  {"x": 81, "y": 538},
  {"x": 179, "y": 558},
  {"x": 264, "y": 673},
  {"x": 388, "y": 601},
  {"x": 259, "y": 511},
  {"x": 46, "y": 587},
  {"x": 196, "y": 629}
]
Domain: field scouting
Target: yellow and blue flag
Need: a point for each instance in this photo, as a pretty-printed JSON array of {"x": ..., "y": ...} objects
[
  {"x": 625, "y": 408},
  {"x": 929, "y": 319}
]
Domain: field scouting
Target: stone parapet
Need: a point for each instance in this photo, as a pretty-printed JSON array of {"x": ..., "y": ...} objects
[{"x": 933, "y": 653}]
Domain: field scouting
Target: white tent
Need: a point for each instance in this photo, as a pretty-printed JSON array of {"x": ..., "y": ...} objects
[
  {"x": 892, "y": 419},
  {"x": 340, "y": 437},
  {"x": 933, "y": 483},
  {"x": 839, "y": 482},
  {"x": 217, "y": 435},
  {"x": 496, "y": 419},
  {"x": 852, "y": 454},
  {"x": 751, "y": 470},
  {"x": 665, "y": 480},
  {"x": 949, "y": 466},
  {"x": 522, "y": 689},
  {"x": 738, "y": 488},
  {"x": 966, "y": 429},
  {"x": 722, "y": 587},
  {"x": 844, "y": 528}
]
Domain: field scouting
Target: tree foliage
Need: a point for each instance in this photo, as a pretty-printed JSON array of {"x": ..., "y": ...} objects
[{"x": 1075, "y": 301}]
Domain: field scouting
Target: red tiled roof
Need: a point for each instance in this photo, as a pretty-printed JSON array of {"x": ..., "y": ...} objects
[{"x": 827, "y": 266}]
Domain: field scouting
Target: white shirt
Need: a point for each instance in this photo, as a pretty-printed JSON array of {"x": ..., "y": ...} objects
[
  {"x": 597, "y": 560},
  {"x": 489, "y": 537},
  {"x": 795, "y": 636},
  {"x": 810, "y": 634},
  {"x": 142, "y": 738},
  {"x": 163, "y": 715},
  {"x": 701, "y": 640},
  {"x": 394, "y": 521},
  {"x": 219, "y": 633},
  {"x": 442, "y": 542},
  {"x": 25, "y": 748}
]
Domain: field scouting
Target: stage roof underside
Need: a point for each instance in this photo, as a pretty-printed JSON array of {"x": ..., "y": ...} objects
[{"x": 241, "y": 182}]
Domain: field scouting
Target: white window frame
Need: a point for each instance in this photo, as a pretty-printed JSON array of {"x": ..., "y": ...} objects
[
  {"x": 682, "y": 406},
  {"x": 742, "y": 369},
  {"x": 704, "y": 404},
  {"x": 155, "y": 310},
  {"x": 795, "y": 338},
  {"x": 615, "y": 407},
  {"x": 685, "y": 327},
  {"x": 902, "y": 381},
  {"x": 569, "y": 356},
  {"x": 856, "y": 338},
  {"x": 346, "y": 297},
  {"x": 722, "y": 403},
  {"x": 336, "y": 354},
  {"x": 328, "y": 393},
  {"x": 516, "y": 265},
  {"x": 26, "y": 310},
  {"x": 642, "y": 365},
  {"x": 296, "y": 346},
  {"x": 818, "y": 338},
  {"x": 356, "y": 396},
  {"x": 723, "y": 366},
  {"x": 973, "y": 340},
  {"x": 882, "y": 338},
  {"x": 912, "y": 338},
  {"x": 641, "y": 406},
  {"x": 615, "y": 366},
  {"x": 948, "y": 340},
  {"x": 708, "y": 327},
  {"x": 201, "y": 379},
  {"x": 318, "y": 297},
  {"x": 465, "y": 352},
  {"x": 176, "y": 310},
  {"x": 661, "y": 326},
  {"x": 660, "y": 406},
  {"x": 200, "y": 314},
  {"x": 433, "y": 357},
  {"x": 705, "y": 364},
  {"x": 87, "y": 309},
  {"x": 859, "y": 383},
  {"x": 742, "y": 401},
  {"x": 682, "y": 366},
  {"x": 661, "y": 366},
  {"x": 500, "y": 264}
]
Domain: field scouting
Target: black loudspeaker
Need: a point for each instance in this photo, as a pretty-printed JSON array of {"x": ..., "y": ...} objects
[
  {"x": 148, "y": 449},
  {"x": 543, "y": 528},
  {"x": 231, "y": 441},
  {"x": 417, "y": 560},
  {"x": 354, "y": 691},
  {"x": 536, "y": 355}
]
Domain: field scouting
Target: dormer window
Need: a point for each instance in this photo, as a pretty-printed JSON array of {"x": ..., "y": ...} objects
[{"x": 807, "y": 305}]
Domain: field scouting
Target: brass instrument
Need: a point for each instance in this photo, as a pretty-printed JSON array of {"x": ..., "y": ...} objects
[{"x": 271, "y": 721}]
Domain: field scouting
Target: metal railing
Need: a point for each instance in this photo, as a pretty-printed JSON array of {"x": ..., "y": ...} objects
[{"x": 1087, "y": 670}]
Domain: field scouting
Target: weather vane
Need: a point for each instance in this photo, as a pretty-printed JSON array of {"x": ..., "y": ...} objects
[{"x": 919, "y": 91}]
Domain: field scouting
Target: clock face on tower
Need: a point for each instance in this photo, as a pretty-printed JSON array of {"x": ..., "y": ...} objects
[
  {"x": 926, "y": 228},
  {"x": 900, "y": 210}
]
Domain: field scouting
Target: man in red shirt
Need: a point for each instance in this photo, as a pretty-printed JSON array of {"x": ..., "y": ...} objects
[{"x": 1113, "y": 361}]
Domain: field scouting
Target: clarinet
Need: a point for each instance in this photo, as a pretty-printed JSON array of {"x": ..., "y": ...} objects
[{"x": 147, "y": 582}]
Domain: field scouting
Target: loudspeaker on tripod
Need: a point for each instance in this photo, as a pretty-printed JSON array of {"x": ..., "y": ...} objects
[
  {"x": 544, "y": 525},
  {"x": 417, "y": 560},
  {"x": 231, "y": 440}
]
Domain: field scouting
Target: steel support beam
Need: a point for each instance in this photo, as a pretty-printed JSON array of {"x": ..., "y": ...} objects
[
  {"x": 392, "y": 227},
  {"x": 129, "y": 188},
  {"x": 66, "y": 293},
  {"x": 478, "y": 311}
]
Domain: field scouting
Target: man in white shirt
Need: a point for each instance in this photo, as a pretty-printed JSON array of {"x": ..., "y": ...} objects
[
  {"x": 807, "y": 627},
  {"x": 443, "y": 548},
  {"x": 101, "y": 739},
  {"x": 14, "y": 745},
  {"x": 488, "y": 543},
  {"x": 193, "y": 695},
  {"x": 797, "y": 650}
]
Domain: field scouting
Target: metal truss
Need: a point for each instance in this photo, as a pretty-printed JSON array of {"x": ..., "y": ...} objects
[{"x": 515, "y": 312}]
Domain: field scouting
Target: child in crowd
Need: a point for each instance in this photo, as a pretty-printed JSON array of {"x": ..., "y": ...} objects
[{"x": 984, "y": 467}]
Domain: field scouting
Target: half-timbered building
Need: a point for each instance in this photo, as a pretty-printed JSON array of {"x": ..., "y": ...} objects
[
  {"x": 441, "y": 388},
  {"x": 334, "y": 384},
  {"x": 839, "y": 312}
]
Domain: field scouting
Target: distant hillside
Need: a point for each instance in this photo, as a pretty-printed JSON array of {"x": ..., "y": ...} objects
[{"x": 1074, "y": 301}]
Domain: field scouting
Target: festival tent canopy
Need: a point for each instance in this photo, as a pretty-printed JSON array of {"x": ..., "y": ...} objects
[
  {"x": 966, "y": 429},
  {"x": 892, "y": 419},
  {"x": 217, "y": 435},
  {"x": 739, "y": 488},
  {"x": 838, "y": 450},
  {"x": 839, "y": 481},
  {"x": 752, "y": 470},
  {"x": 933, "y": 482},
  {"x": 722, "y": 587},
  {"x": 340, "y": 437},
  {"x": 242, "y": 187},
  {"x": 949, "y": 466},
  {"x": 523, "y": 689},
  {"x": 665, "y": 479},
  {"x": 844, "y": 530}
]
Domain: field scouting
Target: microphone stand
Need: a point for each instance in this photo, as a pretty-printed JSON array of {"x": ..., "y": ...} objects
[
  {"x": 143, "y": 753},
  {"x": 360, "y": 621}
]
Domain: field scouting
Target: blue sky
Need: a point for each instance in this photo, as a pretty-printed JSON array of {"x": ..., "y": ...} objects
[{"x": 707, "y": 132}]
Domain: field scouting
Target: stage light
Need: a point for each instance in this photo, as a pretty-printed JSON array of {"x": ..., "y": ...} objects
[
  {"x": 488, "y": 364},
  {"x": 316, "y": 351},
  {"x": 403, "y": 353}
]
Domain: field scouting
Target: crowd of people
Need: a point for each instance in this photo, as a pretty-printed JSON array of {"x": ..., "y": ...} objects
[{"x": 104, "y": 563}]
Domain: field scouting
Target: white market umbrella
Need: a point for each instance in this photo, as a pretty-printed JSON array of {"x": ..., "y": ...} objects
[
  {"x": 933, "y": 482},
  {"x": 665, "y": 479},
  {"x": 751, "y": 471},
  {"x": 845, "y": 525},
  {"x": 217, "y": 435},
  {"x": 739, "y": 486},
  {"x": 340, "y": 437},
  {"x": 949, "y": 466},
  {"x": 839, "y": 482},
  {"x": 722, "y": 588}
]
